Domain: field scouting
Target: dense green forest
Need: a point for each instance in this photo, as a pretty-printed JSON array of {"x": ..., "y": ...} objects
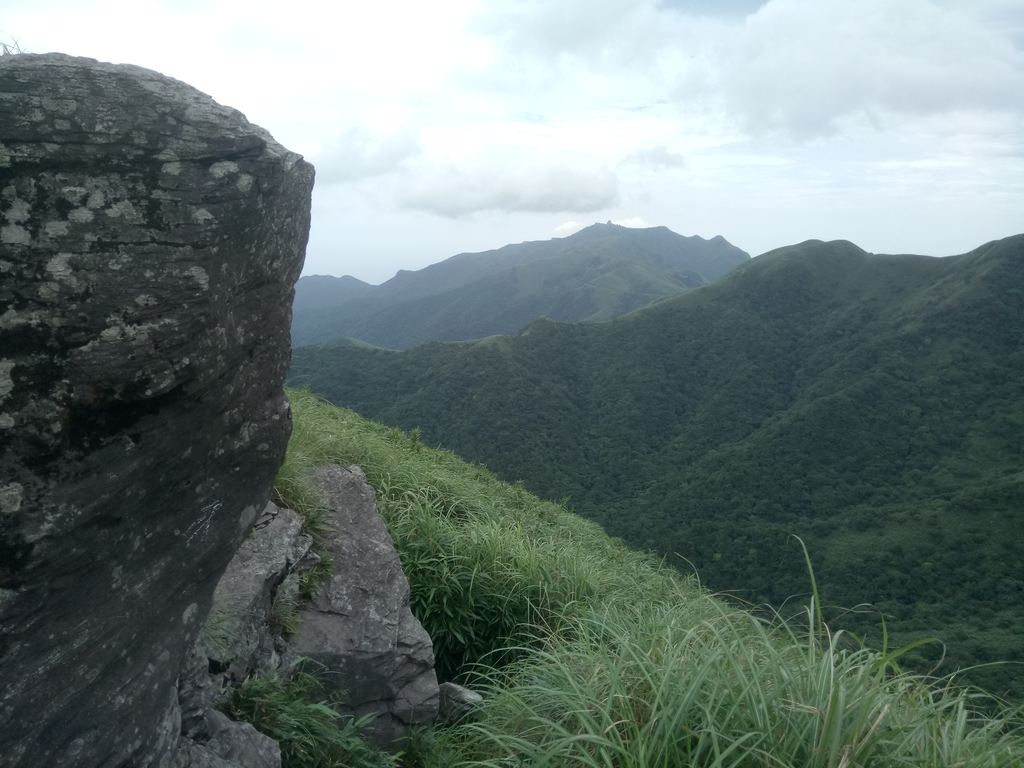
[
  {"x": 601, "y": 272},
  {"x": 872, "y": 405}
]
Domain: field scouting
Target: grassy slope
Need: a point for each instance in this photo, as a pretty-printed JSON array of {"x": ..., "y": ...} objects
[
  {"x": 618, "y": 662},
  {"x": 873, "y": 405},
  {"x": 491, "y": 555}
]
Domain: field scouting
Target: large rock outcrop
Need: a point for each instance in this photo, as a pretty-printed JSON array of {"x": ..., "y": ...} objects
[
  {"x": 150, "y": 239},
  {"x": 358, "y": 631}
]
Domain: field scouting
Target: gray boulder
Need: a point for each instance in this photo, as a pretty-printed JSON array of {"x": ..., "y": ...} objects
[
  {"x": 358, "y": 633},
  {"x": 150, "y": 240}
]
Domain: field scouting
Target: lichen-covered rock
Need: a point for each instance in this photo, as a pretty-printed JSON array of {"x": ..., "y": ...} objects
[
  {"x": 150, "y": 240},
  {"x": 358, "y": 630}
]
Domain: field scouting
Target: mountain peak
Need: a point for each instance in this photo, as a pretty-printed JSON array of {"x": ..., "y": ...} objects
[{"x": 600, "y": 272}]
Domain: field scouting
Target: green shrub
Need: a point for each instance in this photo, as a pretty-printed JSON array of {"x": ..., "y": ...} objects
[{"x": 295, "y": 714}]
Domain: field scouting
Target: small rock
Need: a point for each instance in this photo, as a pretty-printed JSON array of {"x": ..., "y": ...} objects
[
  {"x": 230, "y": 745},
  {"x": 301, "y": 558},
  {"x": 241, "y": 744},
  {"x": 457, "y": 703}
]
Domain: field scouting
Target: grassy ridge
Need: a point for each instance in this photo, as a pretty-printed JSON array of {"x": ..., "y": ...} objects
[
  {"x": 607, "y": 658},
  {"x": 650, "y": 685}
]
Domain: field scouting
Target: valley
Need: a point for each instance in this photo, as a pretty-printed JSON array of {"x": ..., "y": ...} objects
[{"x": 871, "y": 405}]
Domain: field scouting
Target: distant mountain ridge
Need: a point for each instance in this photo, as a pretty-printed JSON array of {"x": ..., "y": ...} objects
[
  {"x": 600, "y": 272},
  {"x": 871, "y": 404},
  {"x": 316, "y": 291}
]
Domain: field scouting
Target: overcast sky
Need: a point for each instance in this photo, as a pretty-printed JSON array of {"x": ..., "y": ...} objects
[{"x": 462, "y": 125}]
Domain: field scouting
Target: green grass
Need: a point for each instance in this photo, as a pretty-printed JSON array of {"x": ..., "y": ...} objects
[
  {"x": 296, "y": 714},
  {"x": 485, "y": 559},
  {"x": 590, "y": 654},
  {"x": 645, "y": 686}
]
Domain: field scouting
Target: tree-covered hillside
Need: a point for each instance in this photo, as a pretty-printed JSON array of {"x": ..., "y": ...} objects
[
  {"x": 600, "y": 272},
  {"x": 873, "y": 405}
]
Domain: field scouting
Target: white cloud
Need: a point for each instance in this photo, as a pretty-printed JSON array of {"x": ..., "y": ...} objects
[
  {"x": 566, "y": 228},
  {"x": 467, "y": 124},
  {"x": 594, "y": 29},
  {"x": 714, "y": 7},
  {"x": 806, "y": 68},
  {"x": 814, "y": 67},
  {"x": 511, "y": 187},
  {"x": 359, "y": 154},
  {"x": 658, "y": 158},
  {"x": 635, "y": 222}
]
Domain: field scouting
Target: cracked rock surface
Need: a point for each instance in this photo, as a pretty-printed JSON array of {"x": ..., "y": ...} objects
[
  {"x": 242, "y": 601},
  {"x": 150, "y": 240}
]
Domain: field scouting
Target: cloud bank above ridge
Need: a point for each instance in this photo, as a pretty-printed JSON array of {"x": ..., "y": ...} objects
[{"x": 468, "y": 124}]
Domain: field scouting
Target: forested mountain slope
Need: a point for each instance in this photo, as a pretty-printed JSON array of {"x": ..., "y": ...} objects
[
  {"x": 598, "y": 273},
  {"x": 873, "y": 405}
]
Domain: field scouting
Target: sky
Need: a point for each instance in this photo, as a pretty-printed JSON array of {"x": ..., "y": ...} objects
[{"x": 463, "y": 125}]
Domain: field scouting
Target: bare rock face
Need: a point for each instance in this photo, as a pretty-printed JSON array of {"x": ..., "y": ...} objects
[
  {"x": 150, "y": 240},
  {"x": 228, "y": 744},
  {"x": 239, "y": 626},
  {"x": 209, "y": 739},
  {"x": 358, "y": 631},
  {"x": 243, "y": 598}
]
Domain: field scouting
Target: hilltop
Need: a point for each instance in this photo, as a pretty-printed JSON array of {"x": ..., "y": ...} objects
[
  {"x": 600, "y": 272},
  {"x": 871, "y": 404}
]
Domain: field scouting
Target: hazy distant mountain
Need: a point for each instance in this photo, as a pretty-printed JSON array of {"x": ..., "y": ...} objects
[
  {"x": 601, "y": 272},
  {"x": 872, "y": 405},
  {"x": 316, "y": 291}
]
